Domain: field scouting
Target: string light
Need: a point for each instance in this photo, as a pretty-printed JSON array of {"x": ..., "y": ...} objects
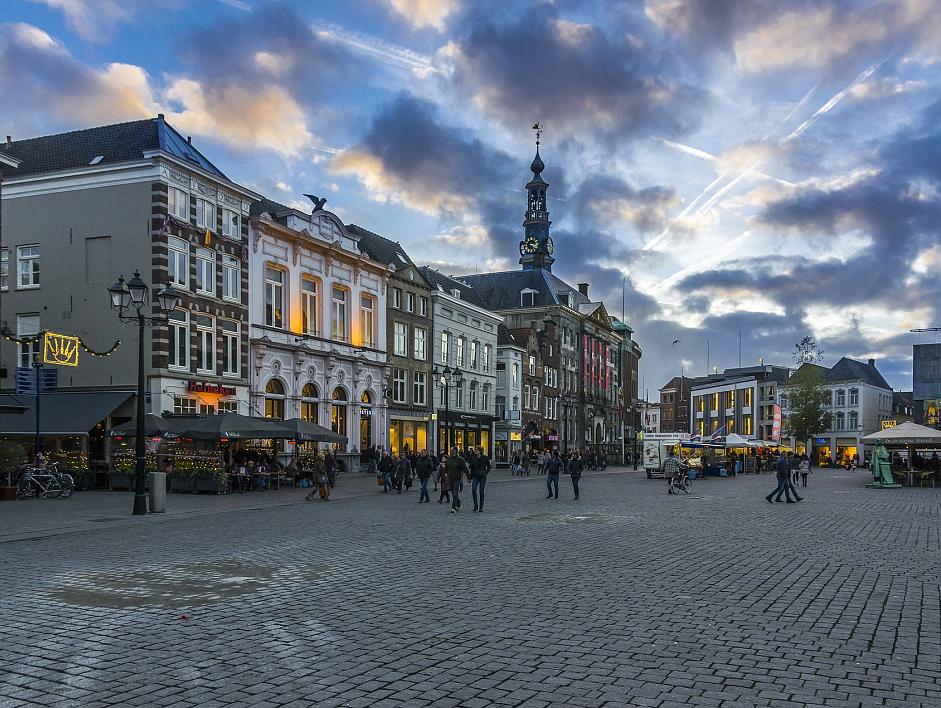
[{"x": 36, "y": 338}]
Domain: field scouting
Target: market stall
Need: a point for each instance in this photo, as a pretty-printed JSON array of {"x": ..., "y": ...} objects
[{"x": 917, "y": 441}]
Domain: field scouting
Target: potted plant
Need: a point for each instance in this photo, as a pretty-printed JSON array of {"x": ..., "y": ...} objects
[
  {"x": 182, "y": 482},
  {"x": 11, "y": 455},
  {"x": 124, "y": 469}
]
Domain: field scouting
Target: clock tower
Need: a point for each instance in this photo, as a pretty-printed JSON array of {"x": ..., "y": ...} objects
[{"x": 536, "y": 246}]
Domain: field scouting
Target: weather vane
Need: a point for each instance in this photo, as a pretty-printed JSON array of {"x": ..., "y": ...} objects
[{"x": 538, "y": 128}]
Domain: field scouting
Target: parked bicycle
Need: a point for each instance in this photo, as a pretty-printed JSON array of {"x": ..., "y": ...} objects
[{"x": 44, "y": 482}]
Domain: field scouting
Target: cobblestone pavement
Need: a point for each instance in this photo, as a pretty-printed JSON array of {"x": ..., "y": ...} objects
[{"x": 626, "y": 597}]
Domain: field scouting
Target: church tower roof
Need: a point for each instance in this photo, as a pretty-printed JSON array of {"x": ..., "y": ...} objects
[{"x": 536, "y": 247}]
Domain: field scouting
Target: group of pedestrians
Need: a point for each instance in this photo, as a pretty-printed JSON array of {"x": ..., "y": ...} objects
[
  {"x": 322, "y": 473},
  {"x": 788, "y": 468},
  {"x": 571, "y": 465},
  {"x": 523, "y": 464}
]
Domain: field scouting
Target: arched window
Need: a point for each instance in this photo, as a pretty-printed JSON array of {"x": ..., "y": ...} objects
[
  {"x": 274, "y": 399},
  {"x": 309, "y": 396},
  {"x": 366, "y": 398},
  {"x": 338, "y": 411},
  {"x": 365, "y": 421}
]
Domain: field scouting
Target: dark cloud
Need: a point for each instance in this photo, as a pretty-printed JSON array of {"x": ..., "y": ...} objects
[
  {"x": 602, "y": 79},
  {"x": 601, "y": 199}
]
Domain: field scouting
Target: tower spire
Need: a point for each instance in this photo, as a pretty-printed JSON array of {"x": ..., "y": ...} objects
[{"x": 536, "y": 246}]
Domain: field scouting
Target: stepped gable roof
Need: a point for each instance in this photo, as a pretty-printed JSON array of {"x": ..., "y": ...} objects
[
  {"x": 439, "y": 280},
  {"x": 501, "y": 291},
  {"x": 120, "y": 142},
  {"x": 847, "y": 369},
  {"x": 379, "y": 248},
  {"x": 506, "y": 338}
]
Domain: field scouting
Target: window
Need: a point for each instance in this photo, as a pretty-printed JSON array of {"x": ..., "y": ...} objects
[
  {"x": 396, "y": 298},
  {"x": 205, "y": 214},
  {"x": 207, "y": 409},
  {"x": 532, "y": 365},
  {"x": 231, "y": 278},
  {"x": 338, "y": 320},
  {"x": 460, "y": 351},
  {"x": 419, "y": 335},
  {"x": 516, "y": 375},
  {"x": 178, "y": 334},
  {"x": 367, "y": 320},
  {"x": 338, "y": 411},
  {"x": 410, "y": 302},
  {"x": 27, "y": 325},
  {"x": 545, "y": 375},
  {"x": 526, "y": 396},
  {"x": 459, "y": 394},
  {"x": 274, "y": 399},
  {"x": 418, "y": 388},
  {"x": 840, "y": 421},
  {"x": 445, "y": 347},
  {"x": 308, "y": 406},
  {"x": 535, "y": 405},
  {"x": 400, "y": 339},
  {"x": 485, "y": 398},
  {"x": 399, "y": 384},
  {"x": 473, "y": 354},
  {"x": 500, "y": 403},
  {"x": 229, "y": 406},
  {"x": 205, "y": 351},
  {"x": 423, "y": 306},
  {"x": 527, "y": 298},
  {"x": 206, "y": 271},
  {"x": 841, "y": 397},
  {"x": 28, "y": 259},
  {"x": 309, "y": 306},
  {"x": 854, "y": 396},
  {"x": 746, "y": 397},
  {"x": 178, "y": 261},
  {"x": 230, "y": 225},
  {"x": 230, "y": 347},
  {"x": 488, "y": 351},
  {"x": 472, "y": 398},
  {"x": 274, "y": 297},
  {"x": 853, "y": 420},
  {"x": 179, "y": 205},
  {"x": 730, "y": 399},
  {"x": 184, "y": 405},
  {"x": 4, "y": 268}
]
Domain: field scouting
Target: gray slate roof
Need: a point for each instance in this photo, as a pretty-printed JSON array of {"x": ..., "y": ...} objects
[
  {"x": 438, "y": 279},
  {"x": 501, "y": 291},
  {"x": 851, "y": 370},
  {"x": 379, "y": 248},
  {"x": 270, "y": 206},
  {"x": 121, "y": 142},
  {"x": 506, "y": 338}
]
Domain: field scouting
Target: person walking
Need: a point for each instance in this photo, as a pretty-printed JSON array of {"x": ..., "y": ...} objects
[
  {"x": 407, "y": 472},
  {"x": 574, "y": 469},
  {"x": 386, "y": 467},
  {"x": 455, "y": 468},
  {"x": 425, "y": 468},
  {"x": 443, "y": 481},
  {"x": 737, "y": 468},
  {"x": 783, "y": 473},
  {"x": 480, "y": 468},
  {"x": 553, "y": 470},
  {"x": 804, "y": 470},
  {"x": 317, "y": 472}
]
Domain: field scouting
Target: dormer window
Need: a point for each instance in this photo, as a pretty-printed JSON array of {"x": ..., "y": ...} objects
[
  {"x": 456, "y": 293},
  {"x": 528, "y": 297}
]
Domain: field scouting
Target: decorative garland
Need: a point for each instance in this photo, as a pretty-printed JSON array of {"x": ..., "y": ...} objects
[{"x": 36, "y": 338}]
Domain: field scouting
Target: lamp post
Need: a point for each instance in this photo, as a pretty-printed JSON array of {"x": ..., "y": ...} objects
[
  {"x": 132, "y": 297},
  {"x": 447, "y": 378}
]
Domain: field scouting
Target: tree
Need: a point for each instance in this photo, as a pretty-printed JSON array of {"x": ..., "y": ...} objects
[{"x": 807, "y": 393}]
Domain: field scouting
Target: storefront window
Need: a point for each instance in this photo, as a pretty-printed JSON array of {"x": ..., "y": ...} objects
[
  {"x": 365, "y": 421},
  {"x": 309, "y": 406},
  {"x": 274, "y": 400},
  {"x": 338, "y": 411}
]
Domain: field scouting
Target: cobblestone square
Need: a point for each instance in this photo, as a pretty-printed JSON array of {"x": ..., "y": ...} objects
[{"x": 628, "y": 597}]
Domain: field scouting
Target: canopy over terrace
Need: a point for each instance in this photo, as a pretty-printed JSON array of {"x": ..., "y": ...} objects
[{"x": 907, "y": 433}]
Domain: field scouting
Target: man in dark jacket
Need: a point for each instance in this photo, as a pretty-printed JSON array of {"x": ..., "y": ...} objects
[
  {"x": 455, "y": 468},
  {"x": 783, "y": 471},
  {"x": 480, "y": 468},
  {"x": 574, "y": 468},
  {"x": 425, "y": 467},
  {"x": 553, "y": 470},
  {"x": 386, "y": 467}
]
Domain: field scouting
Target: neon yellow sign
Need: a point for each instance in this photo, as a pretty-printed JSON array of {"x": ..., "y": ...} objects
[
  {"x": 60, "y": 349},
  {"x": 887, "y": 424}
]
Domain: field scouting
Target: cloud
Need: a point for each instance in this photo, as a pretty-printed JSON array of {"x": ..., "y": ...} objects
[
  {"x": 51, "y": 80},
  {"x": 94, "y": 20},
  {"x": 577, "y": 78},
  {"x": 605, "y": 198},
  {"x": 407, "y": 155},
  {"x": 425, "y": 13}
]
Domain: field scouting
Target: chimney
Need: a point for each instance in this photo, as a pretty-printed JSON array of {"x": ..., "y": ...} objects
[
  {"x": 583, "y": 289},
  {"x": 9, "y": 141},
  {"x": 872, "y": 362},
  {"x": 189, "y": 139},
  {"x": 160, "y": 116}
]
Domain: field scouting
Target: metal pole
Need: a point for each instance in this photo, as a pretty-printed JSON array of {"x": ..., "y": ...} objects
[
  {"x": 140, "y": 491},
  {"x": 447, "y": 410},
  {"x": 36, "y": 365}
]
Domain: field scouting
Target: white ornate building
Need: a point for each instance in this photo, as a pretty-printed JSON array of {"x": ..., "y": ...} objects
[{"x": 318, "y": 324}]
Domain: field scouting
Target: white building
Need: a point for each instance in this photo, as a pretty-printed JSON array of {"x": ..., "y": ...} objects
[
  {"x": 465, "y": 338},
  {"x": 318, "y": 324},
  {"x": 860, "y": 399},
  {"x": 508, "y": 433},
  {"x": 651, "y": 413}
]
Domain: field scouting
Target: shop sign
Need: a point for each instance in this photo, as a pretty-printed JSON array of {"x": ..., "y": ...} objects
[
  {"x": 196, "y": 387},
  {"x": 59, "y": 349},
  {"x": 500, "y": 436},
  {"x": 821, "y": 441},
  {"x": 776, "y": 423},
  {"x": 666, "y": 436},
  {"x": 888, "y": 424},
  {"x": 552, "y": 438},
  {"x": 516, "y": 436}
]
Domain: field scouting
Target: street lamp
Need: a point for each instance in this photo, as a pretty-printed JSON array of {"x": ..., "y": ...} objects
[
  {"x": 446, "y": 379},
  {"x": 125, "y": 296}
]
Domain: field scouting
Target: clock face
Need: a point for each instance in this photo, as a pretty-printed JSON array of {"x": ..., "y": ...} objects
[
  {"x": 549, "y": 246},
  {"x": 530, "y": 245}
]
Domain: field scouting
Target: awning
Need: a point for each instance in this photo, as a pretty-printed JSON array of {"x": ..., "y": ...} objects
[{"x": 64, "y": 413}]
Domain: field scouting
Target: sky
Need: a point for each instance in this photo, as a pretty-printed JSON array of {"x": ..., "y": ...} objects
[{"x": 737, "y": 174}]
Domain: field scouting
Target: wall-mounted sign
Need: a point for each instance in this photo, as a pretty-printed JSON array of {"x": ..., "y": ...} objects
[
  {"x": 196, "y": 387},
  {"x": 516, "y": 436},
  {"x": 59, "y": 349},
  {"x": 887, "y": 424},
  {"x": 552, "y": 438}
]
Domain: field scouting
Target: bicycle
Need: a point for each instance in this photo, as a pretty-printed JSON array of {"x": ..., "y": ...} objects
[
  {"x": 681, "y": 481},
  {"x": 44, "y": 482}
]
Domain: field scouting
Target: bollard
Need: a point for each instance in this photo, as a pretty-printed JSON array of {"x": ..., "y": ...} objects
[{"x": 158, "y": 492}]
